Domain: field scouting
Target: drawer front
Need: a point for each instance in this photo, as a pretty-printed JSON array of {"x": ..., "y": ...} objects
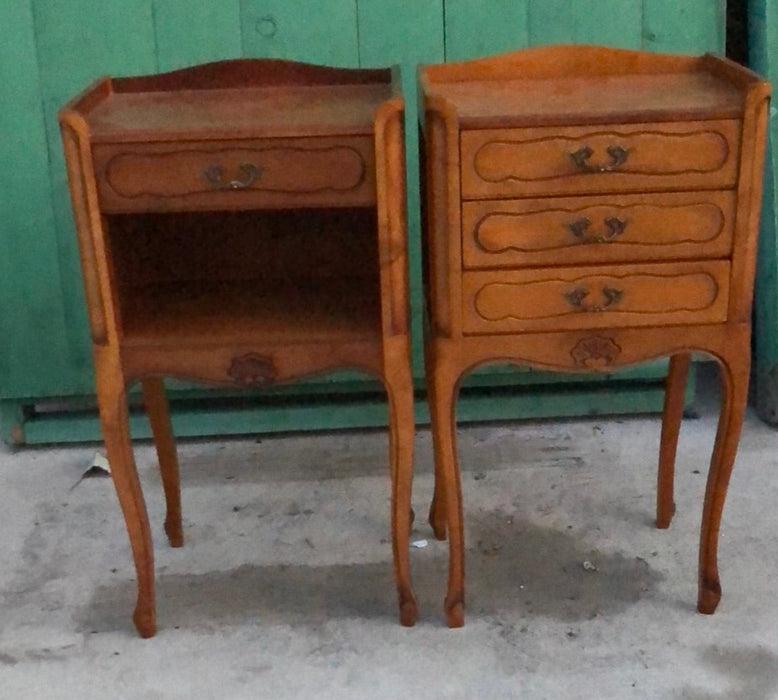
[
  {"x": 230, "y": 175},
  {"x": 604, "y": 229},
  {"x": 591, "y": 297},
  {"x": 619, "y": 158}
]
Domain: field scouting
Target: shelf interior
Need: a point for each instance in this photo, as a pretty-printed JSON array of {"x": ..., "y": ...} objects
[{"x": 307, "y": 275}]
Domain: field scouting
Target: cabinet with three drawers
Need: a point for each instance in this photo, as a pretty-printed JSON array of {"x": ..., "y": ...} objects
[{"x": 589, "y": 209}]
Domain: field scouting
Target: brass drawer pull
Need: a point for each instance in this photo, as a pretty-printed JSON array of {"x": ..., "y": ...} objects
[
  {"x": 577, "y": 297},
  {"x": 618, "y": 156},
  {"x": 614, "y": 225},
  {"x": 248, "y": 173}
]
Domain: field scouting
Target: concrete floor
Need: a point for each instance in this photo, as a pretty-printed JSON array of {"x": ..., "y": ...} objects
[{"x": 284, "y": 588}]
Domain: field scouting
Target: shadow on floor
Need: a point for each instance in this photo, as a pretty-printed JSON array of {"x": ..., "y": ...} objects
[
  {"x": 752, "y": 674},
  {"x": 512, "y": 566}
]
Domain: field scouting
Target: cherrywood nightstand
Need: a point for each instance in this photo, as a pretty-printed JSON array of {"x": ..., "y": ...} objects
[
  {"x": 241, "y": 223},
  {"x": 589, "y": 209}
]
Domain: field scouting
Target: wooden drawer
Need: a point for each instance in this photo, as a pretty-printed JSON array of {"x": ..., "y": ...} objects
[
  {"x": 604, "y": 229},
  {"x": 236, "y": 175},
  {"x": 593, "y": 297},
  {"x": 607, "y": 158}
]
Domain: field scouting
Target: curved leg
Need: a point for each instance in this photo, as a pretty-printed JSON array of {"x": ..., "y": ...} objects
[
  {"x": 675, "y": 388},
  {"x": 445, "y": 391},
  {"x": 401, "y": 434},
  {"x": 112, "y": 402},
  {"x": 437, "y": 513},
  {"x": 734, "y": 370},
  {"x": 165, "y": 444}
]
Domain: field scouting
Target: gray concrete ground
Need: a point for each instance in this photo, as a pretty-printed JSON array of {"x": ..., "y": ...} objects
[{"x": 284, "y": 588}]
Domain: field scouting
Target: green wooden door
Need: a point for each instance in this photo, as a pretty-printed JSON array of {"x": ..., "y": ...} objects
[{"x": 51, "y": 49}]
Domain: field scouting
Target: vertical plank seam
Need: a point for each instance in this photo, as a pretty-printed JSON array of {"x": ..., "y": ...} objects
[
  {"x": 242, "y": 26},
  {"x": 445, "y": 31},
  {"x": 721, "y": 25},
  {"x": 155, "y": 30},
  {"x": 359, "y": 36},
  {"x": 38, "y": 82},
  {"x": 527, "y": 20},
  {"x": 52, "y": 188}
]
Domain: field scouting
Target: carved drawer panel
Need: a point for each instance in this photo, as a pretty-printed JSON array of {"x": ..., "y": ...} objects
[
  {"x": 593, "y": 297},
  {"x": 612, "y": 228},
  {"x": 606, "y": 158},
  {"x": 249, "y": 175}
]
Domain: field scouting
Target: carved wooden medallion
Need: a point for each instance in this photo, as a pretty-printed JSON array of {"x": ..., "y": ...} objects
[
  {"x": 252, "y": 370},
  {"x": 595, "y": 351}
]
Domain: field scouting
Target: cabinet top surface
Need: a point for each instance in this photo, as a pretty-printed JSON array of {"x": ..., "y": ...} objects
[
  {"x": 246, "y": 112},
  {"x": 555, "y": 85},
  {"x": 590, "y": 99}
]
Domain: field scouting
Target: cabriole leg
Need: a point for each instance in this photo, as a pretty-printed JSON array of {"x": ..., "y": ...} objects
[
  {"x": 445, "y": 389},
  {"x": 401, "y": 436},
  {"x": 112, "y": 402},
  {"x": 675, "y": 389},
  {"x": 734, "y": 371},
  {"x": 164, "y": 441},
  {"x": 437, "y": 513}
]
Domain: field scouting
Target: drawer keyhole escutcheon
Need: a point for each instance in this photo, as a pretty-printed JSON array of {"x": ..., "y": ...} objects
[
  {"x": 618, "y": 156},
  {"x": 577, "y": 299},
  {"x": 248, "y": 173},
  {"x": 614, "y": 225}
]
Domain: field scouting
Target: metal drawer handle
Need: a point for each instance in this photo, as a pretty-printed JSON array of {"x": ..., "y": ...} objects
[
  {"x": 614, "y": 225},
  {"x": 577, "y": 299},
  {"x": 618, "y": 156},
  {"x": 248, "y": 173}
]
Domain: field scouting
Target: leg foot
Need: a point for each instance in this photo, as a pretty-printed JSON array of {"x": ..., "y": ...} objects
[
  {"x": 455, "y": 613},
  {"x": 437, "y": 517},
  {"x": 409, "y": 610},
  {"x": 708, "y": 596},
  {"x": 665, "y": 516},
  {"x": 145, "y": 620}
]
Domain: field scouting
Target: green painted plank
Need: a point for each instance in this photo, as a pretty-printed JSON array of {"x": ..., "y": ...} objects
[
  {"x": 485, "y": 28},
  {"x": 535, "y": 405},
  {"x": 204, "y": 421},
  {"x": 498, "y": 375},
  {"x": 608, "y": 22},
  {"x": 78, "y": 41},
  {"x": 34, "y": 357},
  {"x": 766, "y": 301},
  {"x": 189, "y": 32},
  {"x": 388, "y": 35},
  {"x": 763, "y": 56},
  {"x": 690, "y": 26},
  {"x": 323, "y": 32},
  {"x": 474, "y": 405},
  {"x": 479, "y": 29},
  {"x": 550, "y": 22}
]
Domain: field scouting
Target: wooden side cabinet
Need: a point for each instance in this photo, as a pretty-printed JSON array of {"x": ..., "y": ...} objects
[
  {"x": 589, "y": 209},
  {"x": 241, "y": 223}
]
